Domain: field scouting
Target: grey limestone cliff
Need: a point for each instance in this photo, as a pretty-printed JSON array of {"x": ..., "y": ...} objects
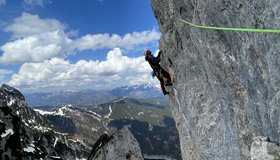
[
  {"x": 263, "y": 149},
  {"x": 119, "y": 146},
  {"x": 226, "y": 84}
]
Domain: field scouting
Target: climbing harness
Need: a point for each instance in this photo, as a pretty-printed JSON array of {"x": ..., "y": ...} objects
[{"x": 231, "y": 29}]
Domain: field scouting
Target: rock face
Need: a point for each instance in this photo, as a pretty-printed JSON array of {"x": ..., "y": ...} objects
[
  {"x": 263, "y": 149},
  {"x": 120, "y": 146},
  {"x": 226, "y": 84}
]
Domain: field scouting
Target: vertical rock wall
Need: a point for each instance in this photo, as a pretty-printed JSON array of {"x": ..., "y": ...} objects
[{"x": 226, "y": 84}]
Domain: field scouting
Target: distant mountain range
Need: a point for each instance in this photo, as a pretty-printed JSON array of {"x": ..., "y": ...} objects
[
  {"x": 70, "y": 131},
  {"x": 150, "y": 121},
  {"x": 85, "y": 97},
  {"x": 137, "y": 91},
  {"x": 91, "y": 97}
]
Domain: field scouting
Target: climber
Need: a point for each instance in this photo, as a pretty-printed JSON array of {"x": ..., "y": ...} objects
[{"x": 158, "y": 71}]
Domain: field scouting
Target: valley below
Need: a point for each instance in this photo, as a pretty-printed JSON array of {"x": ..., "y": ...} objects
[{"x": 149, "y": 120}]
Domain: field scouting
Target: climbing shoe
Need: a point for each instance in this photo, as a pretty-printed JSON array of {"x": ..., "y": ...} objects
[{"x": 165, "y": 93}]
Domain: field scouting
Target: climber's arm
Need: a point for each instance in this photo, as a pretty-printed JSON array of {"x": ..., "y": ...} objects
[
  {"x": 157, "y": 58},
  {"x": 159, "y": 54}
]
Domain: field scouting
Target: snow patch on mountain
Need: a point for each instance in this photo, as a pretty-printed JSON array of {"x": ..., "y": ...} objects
[
  {"x": 59, "y": 112},
  {"x": 55, "y": 142},
  {"x": 30, "y": 148},
  {"x": 7, "y": 132},
  {"x": 62, "y": 134},
  {"x": 95, "y": 114},
  {"x": 120, "y": 99},
  {"x": 42, "y": 129},
  {"x": 11, "y": 102},
  {"x": 31, "y": 121},
  {"x": 10, "y": 90},
  {"x": 42, "y": 112},
  {"x": 75, "y": 141},
  {"x": 108, "y": 116}
]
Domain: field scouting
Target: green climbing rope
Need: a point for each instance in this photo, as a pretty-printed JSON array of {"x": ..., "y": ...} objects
[{"x": 232, "y": 29}]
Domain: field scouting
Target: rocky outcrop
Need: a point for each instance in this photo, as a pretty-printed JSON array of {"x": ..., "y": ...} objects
[
  {"x": 263, "y": 149},
  {"x": 25, "y": 134},
  {"x": 119, "y": 146},
  {"x": 226, "y": 84}
]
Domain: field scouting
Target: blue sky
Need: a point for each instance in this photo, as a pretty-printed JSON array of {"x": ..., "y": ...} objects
[{"x": 48, "y": 45}]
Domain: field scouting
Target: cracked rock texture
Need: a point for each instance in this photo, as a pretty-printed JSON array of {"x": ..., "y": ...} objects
[
  {"x": 119, "y": 146},
  {"x": 226, "y": 84},
  {"x": 263, "y": 149}
]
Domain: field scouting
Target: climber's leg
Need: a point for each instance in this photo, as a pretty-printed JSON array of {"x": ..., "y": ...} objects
[
  {"x": 162, "y": 84},
  {"x": 166, "y": 75}
]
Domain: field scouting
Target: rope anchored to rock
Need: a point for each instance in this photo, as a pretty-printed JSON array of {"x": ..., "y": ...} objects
[{"x": 232, "y": 29}]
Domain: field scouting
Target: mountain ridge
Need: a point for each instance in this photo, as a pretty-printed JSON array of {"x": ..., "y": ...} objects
[
  {"x": 65, "y": 132},
  {"x": 25, "y": 134},
  {"x": 91, "y": 97},
  {"x": 152, "y": 118}
]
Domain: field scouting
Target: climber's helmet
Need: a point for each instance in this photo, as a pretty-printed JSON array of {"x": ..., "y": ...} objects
[{"x": 147, "y": 52}]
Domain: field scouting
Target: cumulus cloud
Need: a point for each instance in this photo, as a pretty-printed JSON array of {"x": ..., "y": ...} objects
[
  {"x": 61, "y": 73},
  {"x": 143, "y": 79},
  {"x": 2, "y": 2},
  {"x": 36, "y": 39},
  {"x": 34, "y": 2},
  {"x": 29, "y": 25},
  {"x": 128, "y": 41},
  {"x": 36, "y": 48}
]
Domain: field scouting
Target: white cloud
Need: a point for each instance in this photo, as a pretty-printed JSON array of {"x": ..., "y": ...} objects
[
  {"x": 60, "y": 73},
  {"x": 35, "y": 2},
  {"x": 36, "y": 48},
  {"x": 37, "y": 39},
  {"x": 2, "y": 2},
  {"x": 143, "y": 79},
  {"x": 30, "y": 25},
  {"x": 128, "y": 41}
]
